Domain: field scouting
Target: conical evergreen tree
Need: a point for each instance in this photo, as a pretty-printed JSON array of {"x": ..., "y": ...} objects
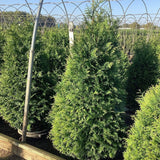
[
  {"x": 143, "y": 72},
  {"x": 144, "y": 137},
  {"x": 86, "y": 116},
  {"x": 49, "y": 63}
]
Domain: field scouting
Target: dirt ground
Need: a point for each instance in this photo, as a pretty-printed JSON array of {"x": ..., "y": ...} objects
[{"x": 43, "y": 143}]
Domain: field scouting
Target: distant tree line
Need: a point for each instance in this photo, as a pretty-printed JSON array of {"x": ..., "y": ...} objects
[
  {"x": 19, "y": 17},
  {"x": 136, "y": 25}
]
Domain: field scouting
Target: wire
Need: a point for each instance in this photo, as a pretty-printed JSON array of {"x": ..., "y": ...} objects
[
  {"x": 29, "y": 9},
  {"x": 66, "y": 12}
]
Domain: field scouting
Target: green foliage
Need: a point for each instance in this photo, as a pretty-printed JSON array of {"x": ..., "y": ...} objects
[
  {"x": 142, "y": 73},
  {"x": 12, "y": 79},
  {"x": 86, "y": 116},
  {"x": 143, "y": 142},
  {"x": 50, "y": 54},
  {"x": 20, "y": 17},
  {"x": 135, "y": 25},
  {"x": 129, "y": 37},
  {"x": 2, "y": 41}
]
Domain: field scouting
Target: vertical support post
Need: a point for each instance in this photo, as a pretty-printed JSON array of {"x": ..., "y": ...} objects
[
  {"x": 71, "y": 34},
  {"x": 29, "y": 76},
  {"x": 110, "y": 8},
  {"x": 93, "y": 7},
  {"x": 66, "y": 12}
]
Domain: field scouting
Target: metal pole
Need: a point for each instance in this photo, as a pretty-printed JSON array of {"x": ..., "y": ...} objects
[
  {"x": 29, "y": 76},
  {"x": 110, "y": 8},
  {"x": 66, "y": 12},
  {"x": 93, "y": 7}
]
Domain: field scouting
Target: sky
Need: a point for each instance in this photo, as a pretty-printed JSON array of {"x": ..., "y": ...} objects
[
  {"x": 50, "y": 7},
  {"x": 136, "y": 7}
]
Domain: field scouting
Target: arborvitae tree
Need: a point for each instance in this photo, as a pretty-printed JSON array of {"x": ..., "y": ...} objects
[
  {"x": 52, "y": 60},
  {"x": 50, "y": 54},
  {"x": 144, "y": 137},
  {"x": 142, "y": 73},
  {"x": 86, "y": 115}
]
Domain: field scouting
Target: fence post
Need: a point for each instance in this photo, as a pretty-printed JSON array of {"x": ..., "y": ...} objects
[
  {"x": 29, "y": 76},
  {"x": 71, "y": 34}
]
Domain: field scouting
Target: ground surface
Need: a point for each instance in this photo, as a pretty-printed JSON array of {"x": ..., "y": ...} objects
[{"x": 42, "y": 143}]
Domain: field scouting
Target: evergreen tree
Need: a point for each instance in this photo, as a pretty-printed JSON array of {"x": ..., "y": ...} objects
[
  {"x": 142, "y": 73},
  {"x": 86, "y": 115},
  {"x": 2, "y": 41},
  {"x": 144, "y": 137},
  {"x": 49, "y": 61}
]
